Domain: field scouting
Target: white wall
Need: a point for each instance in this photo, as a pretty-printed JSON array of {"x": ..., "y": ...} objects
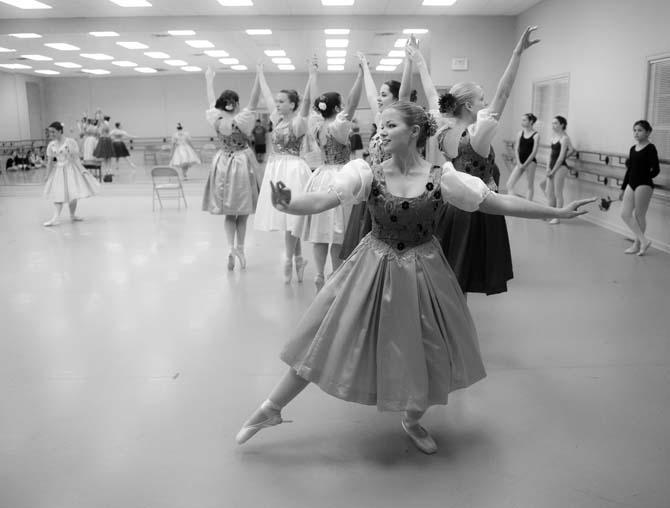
[
  {"x": 603, "y": 46},
  {"x": 15, "y": 122}
]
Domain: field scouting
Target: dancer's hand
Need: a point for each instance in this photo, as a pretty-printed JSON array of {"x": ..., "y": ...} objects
[
  {"x": 572, "y": 210},
  {"x": 313, "y": 65},
  {"x": 281, "y": 195},
  {"x": 362, "y": 58},
  {"x": 491, "y": 184},
  {"x": 415, "y": 55},
  {"x": 525, "y": 42},
  {"x": 209, "y": 74}
]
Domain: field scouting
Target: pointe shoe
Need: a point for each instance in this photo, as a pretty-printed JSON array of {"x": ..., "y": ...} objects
[
  {"x": 50, "y": 223},
  {"x": 319, "y": 281},
  {"x": 300, "y": 265},
  {"x": 231, "y": 260},
  {"x": 643, "y": 248},
  {"x": 420, "y": 437},
  {"x": 249, "y": 431},
  {"x": 288, "y": 271},
  {"x": 633, "y": 249},
  {"x": 243, "y": 260}
]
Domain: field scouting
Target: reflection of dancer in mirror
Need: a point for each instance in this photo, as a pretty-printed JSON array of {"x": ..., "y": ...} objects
[
  {"x": 232, "y": 187},
  {"x": 642, "y": 166},
  {"x": 525, "y": 151},
  {"x": 104, "y": 149},
  {"x": 66, "y": 179},
  {"x": 391, "y": 327},
  {"x": 118, "y": 136},
  {"x": 326, "y": 230},
  {"x": 90, "y": 140},
  {"x": 183, "y": 152},
  {"x": 289, "y": 117},
  {"x": 476, "y": 244},
  {"x": 557, "y": 170}
]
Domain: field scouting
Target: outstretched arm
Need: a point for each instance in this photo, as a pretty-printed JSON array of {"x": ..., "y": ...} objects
[
  {"x": 209, "y": 80},
  {"x": 370, "y": 87},
  {"x": 305, "y": 204},
  {"x": 255, "y": 95},
  {"x": 508, "y": 204},
  {"x": 507, "y": 81},
  {"x": 355, "y": 94},
  {"x": 405, "y": 92},
  {"x": 265, "y": 89},
  {"x": 306, "y": 104}
]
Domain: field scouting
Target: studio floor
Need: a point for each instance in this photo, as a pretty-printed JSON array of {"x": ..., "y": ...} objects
[{"x": 130, "y": 356}]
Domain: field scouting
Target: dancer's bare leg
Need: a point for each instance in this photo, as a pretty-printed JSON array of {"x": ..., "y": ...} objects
[
  {"x": 58, "y": 207},
  {"x": 530, "y": 177},
  {"x": 320, "y": 257},
  {"x": 73, "y": 211}
]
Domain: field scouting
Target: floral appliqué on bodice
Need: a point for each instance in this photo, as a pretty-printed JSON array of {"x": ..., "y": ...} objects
[
  {"x": 284, "y": 140},
  {"x": 469, "y": 161},
  {"x": 403, "y": 223},
  {"x": 234, "y": 142},
  {"x": 376, "y": 150},
  {"x": 63, "y": 153},
  {"x": 333, "y": 151}
]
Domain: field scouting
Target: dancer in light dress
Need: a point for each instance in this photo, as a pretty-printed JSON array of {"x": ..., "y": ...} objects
[
  {"x": 331, "y": 131},
  {"x": 232, "y": 185},
  {"x": 183, "y": 152},
  {"x": 391, "y": 328},
  {"x": 66, "y": 179},
  {"x": 90, "y": 140},
  {"x": 289, "y": 116}
]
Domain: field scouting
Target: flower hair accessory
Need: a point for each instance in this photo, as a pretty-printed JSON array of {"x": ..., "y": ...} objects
[
  {"x": 431, "y": 126},
  {"x": 323, "y": 106},
  {"x": 229, "y": 107}
]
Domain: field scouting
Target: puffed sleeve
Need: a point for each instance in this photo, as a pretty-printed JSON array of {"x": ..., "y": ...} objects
[
  {"x": 482, "y": 132},
  {"x": 51, "y": 150},
  {"x": 299, "y": 125},
  {"x": 212, "y": 115},
  {"x": 72, "y": 148},
  {"x": 340, "y": 128},
  {"x": 245, "y": 121},
  {"x": 353, "y": 182},
  {"x": 462, "y": 190}
]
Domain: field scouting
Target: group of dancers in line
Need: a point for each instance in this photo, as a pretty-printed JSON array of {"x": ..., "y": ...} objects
[{"x": 99, "y": 141}]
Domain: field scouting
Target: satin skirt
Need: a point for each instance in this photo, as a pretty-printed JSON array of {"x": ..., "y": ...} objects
[
  {"x": 104, "y": 149},
  {"x": 328, "y": 226},
  {"x": 184, "y": 154},
  {"x": 232, "y": 187},
  {"x": 120, "y": 149},
  {"x": 359, "y": 225},
  {"x": 90, "y": 142},
  {"x": 69, "y": 181},
  {"x": 390, "y": 329}
]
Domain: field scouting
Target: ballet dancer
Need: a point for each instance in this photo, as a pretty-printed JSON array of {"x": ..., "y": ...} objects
[
  {"x": 557, "y": 170},
  {"x": 66, "y": 179},
  {"x": 118, "y": 136},
  {"x": 90, "y": 140},
  {"x": 104, "y": 149},
  {"x": 391, "y": 327},
  {"x": 183, "y": 154},
  {"x": 525, "y": 151}
]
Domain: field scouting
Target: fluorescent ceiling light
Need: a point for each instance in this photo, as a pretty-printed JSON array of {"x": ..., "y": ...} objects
[
  {"x": 48, "y": 72},
  {"x": 38, "y": 58},
  {"x": 62, "y": 46},
  {"x": 259, "y": 31},
  {"x": 275, "y": 52},
  {"x": 97, "y": 56},
  {"x": 281, "y": 60},
  {"x": 124, "y": 63},
  {"x": 336, "y": 61},
  {"x": 6, "y": 50},
  {"x": 177, "y": 33},
  {"x": 447, "y": 3},
  {"x": 15, "y": 66},
  {"x": 229, "y": 61},
  {"x": 191, "y": 68},
  {"x": 132, "y": 45},
  {"x": 131, "y": 3},
  {"x": 286, "y": 67},
  {"x": 336, "y": 67},
  {"x": 337, "y": 43},
  {"x": 239, "y": 67},
  {"x": 68, "y": 65},
  {"x": 96, "y": 71},
  {"x": 176, "y": 63},
  {"x": 336, "y": 53},
  {"x": 26, "y": 4},
  {"x": 236, "y": 3},
  {"x": 26, "y": 36},
  {"x": 157, "y": 54},
  {"x": 336, "y": 31},
  {"x": 400, "y": 43},
  {"x": 145, "y": 70},
  {"x": 337, "y": 2},
  {"x": 390, "y": 61},
  {"x": 385, "y": 68},
  {"x": 415, "y": 31},
  {"x": 216, "y": 53},
  {"x": 200, "y": 44},
  {"x": 396, "y": 53},
  {"x": 103, "y": 34}
]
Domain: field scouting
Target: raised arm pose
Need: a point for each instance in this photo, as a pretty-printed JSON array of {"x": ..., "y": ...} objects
[
  {"x": 391, "y": 327},
  {"x": 183, "y": 152},
  {"x": 476, "y": 244},
  {"x": 289, "y": 116},
  {"x": 525, "y": 152},
  {"x": 326, "y": 230},
  {"x": 232, "y": 187}
]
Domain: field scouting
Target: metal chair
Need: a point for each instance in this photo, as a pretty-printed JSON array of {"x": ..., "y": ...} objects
[{"x": 166, "y": 178}]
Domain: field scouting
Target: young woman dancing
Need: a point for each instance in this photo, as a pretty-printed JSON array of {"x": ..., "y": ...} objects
[{"x": 183, "y": 152}]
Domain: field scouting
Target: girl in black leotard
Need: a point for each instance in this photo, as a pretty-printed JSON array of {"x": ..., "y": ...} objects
[
  {"x": 525, "y": 149},
  {"x": 557, "y": 170},
  {"x": 638, "y": 186}
]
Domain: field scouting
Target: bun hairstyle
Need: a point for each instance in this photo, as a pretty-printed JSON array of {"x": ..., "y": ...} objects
[
  {"x": 531, "y": 118},
  {"x": 56, "y": 125},
  {"x": 458, "y": 96},
  {"x": 562, "y": 121},
  {"x": 106, "y": 118},
  {"x": 179, "y": 127},
  {"x": 415, "y": 115},
  {"x": 644, "y": 124},
  {"x": 394, "y": 87},
  {"x": 117, "y": 125},
  {"x": 227, "y": 101},
  {"x": 292, "y": 97},
  {"x": 327, "y": 102}
]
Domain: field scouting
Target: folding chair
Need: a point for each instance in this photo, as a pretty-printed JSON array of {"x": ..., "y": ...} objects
[{"x": 166, "y": 178}]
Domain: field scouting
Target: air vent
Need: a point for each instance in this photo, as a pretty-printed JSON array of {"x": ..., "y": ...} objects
[
  {"x": 160, "y": 35},
  {"x": 20, "y": 58},
  {"x": 162, "y": 70},
  {"x": 385, "y": 34}
]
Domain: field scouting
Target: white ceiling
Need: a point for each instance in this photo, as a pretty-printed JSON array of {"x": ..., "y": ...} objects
[{"x": 297, "y": 27}]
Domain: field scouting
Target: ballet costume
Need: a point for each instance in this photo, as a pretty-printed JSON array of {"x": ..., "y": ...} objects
[
  {"x": 391, "y": 327},
  {"x": 90, "y": 142},
  {"x": 118, "y": 145},
  {"x": 476, "y": 244},
  {"x": 183, "y": 154},
  {"x": 104, "y": 149},
  {"x": 68, "y": 180},
  {"x": 284, "y": 165}
]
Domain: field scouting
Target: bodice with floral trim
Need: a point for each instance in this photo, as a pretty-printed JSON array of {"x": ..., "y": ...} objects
[
  {"x": 469, "y": 161},
  {"x": 236, "y": 141},
  {"x": 333, "y": 151},
  {"x": 285, "y": 141},
  {"x": 65, "y": 152},
  {"x": 403, "y": 223},
  {"x": 376, "y": 150}
]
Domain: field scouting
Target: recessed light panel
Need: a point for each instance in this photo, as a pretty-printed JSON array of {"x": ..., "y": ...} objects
[
  {"x": 336, "y": 67},
  {"x": 132, "y": 45},
  {"x": 236, "y": 3},
  {"x": 385, "y": 68},
  {"x": 400, "y": 43},
  {"x": 439, "y": 3},
  {"x": 26, "y": 36},
  {"x": 390, "y": 61},
  {"x": 281, "y": 60},
  {"x": 145, "y": 70},
  {"x": 176, "y": 63},
  {"x": 131, "y": 3},
  {"x": 191, "y": 68},
  {"x": 339, "y": 3},
  {"x": 275, "y": 52},
  {"x": 335, "y": 53},
  {"x": 416, "y": 31},
  {"x": 103, "y": 34},
  {"x": 26, "y": 4},
  {"x": 15, "y": 66},
  {"x": 396, "y": 53},
  {"x": 97, "y": 56},
  {"x": 68, "y": 65},
  {"x": 62, "y": 46},
  {"x": 47, "y": 72},
  {"x": 200, "y": 44},
  {"x": 178, "y": 33},
  {"x": 337, "y": 43},
  {"x": 98, "y": 72},
  {"x": 216, "y": 53},
  {"x": 259, "y": 31},
  {"x": 124, "y": 63},
  {"x": 6, "y": 50},
  {"x": 336, "y": 61},
  {"x": 38, "y": 58},
  {"x": 286, "y": 67},
  {"x": 239, "y": 67},
  {"x": 157, "y": 54},
  {"x": 229, "y": 61}
]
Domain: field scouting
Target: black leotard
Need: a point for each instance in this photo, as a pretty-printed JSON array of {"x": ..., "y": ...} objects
[
  {"x": 555, "y": 152},
  {"x": 642, "y": 166},
  {"x": 526, "y": 147}
]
